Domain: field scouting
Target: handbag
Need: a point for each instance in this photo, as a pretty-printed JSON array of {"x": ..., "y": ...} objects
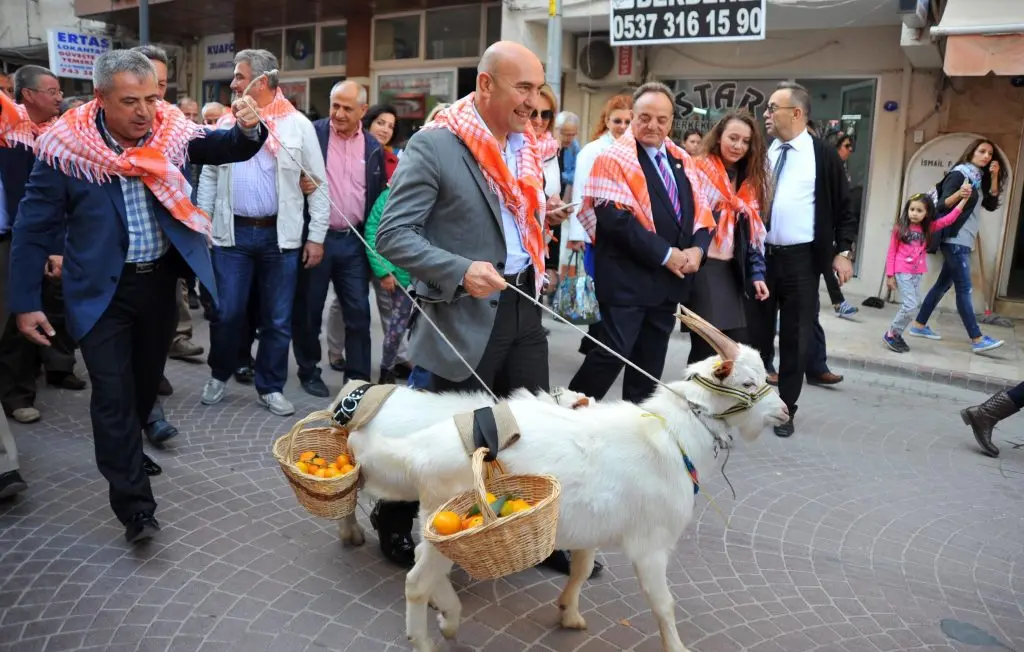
[{"x": 575, "y": 299}]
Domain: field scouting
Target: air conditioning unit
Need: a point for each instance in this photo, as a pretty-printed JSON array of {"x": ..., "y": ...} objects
[{"x": 598, "y": 63}]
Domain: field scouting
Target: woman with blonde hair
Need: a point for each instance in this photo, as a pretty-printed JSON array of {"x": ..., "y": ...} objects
[
  {"x": 734, "y": 180},
  {"x": 543, "y": 122}
]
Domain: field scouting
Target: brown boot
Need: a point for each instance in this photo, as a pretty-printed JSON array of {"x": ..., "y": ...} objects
[{"x": 983, "y": 418}]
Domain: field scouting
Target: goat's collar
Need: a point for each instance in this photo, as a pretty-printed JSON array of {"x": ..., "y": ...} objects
[{"x": 744, "y": 400}]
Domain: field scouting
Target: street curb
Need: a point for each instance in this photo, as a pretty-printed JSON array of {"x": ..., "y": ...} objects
[{"x": 949, "y": 377}]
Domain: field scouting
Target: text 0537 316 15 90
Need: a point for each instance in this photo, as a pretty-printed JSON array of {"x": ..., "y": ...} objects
[{"x": 652, "y": 22}]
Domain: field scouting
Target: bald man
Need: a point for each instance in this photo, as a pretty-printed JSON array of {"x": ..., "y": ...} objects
[
  {"x": 355, "y": 178},
  {"x": 465, "y": 217}
]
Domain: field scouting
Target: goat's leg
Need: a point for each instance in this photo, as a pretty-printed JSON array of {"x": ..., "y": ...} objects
[
  {"x": 580, "y": 567},
  {"x": 447, "y": 602},
  {"x": 421, "y": 584},
  {"x": 651, "y": 569},
  {"x": 350, "y": 532}
]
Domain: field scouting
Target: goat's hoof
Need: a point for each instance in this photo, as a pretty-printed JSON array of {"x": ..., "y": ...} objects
[
  {"x": 351, "y": 535},
  {"x": 449, "y": 626},
  {"x": 422, "y": 645},
  {"x": 573, "y": 620}
]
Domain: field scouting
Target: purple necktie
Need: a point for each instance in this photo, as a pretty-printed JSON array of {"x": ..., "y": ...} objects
[{"x": 670, "y": 185}]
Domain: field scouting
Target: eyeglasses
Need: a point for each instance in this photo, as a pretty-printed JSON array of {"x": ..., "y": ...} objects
[
  {"x": 621, "y": 121},
  {"x": 52, "y": 92},
  {"x": 775, "y": 108},
  {"x": 848, "y": 146},
  {"x": 544, "y": 115}
]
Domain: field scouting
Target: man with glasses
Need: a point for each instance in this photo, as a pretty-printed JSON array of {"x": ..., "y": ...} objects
[
  {"x": 38, "y": 91},
  {"x": 811, "y": 231}
]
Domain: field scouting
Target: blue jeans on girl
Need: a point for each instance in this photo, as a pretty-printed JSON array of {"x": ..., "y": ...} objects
[{"x": 956, "y": 272}]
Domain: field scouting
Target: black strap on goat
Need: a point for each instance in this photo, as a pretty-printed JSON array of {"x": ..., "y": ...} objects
[
  {"x": 745, "y": 400},
  {"x": 485, "y": 432},
  {"x": 347, "y": 406}
]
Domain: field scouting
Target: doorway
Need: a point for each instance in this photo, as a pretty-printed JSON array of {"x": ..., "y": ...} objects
[{"x": 1015, "y": 283}]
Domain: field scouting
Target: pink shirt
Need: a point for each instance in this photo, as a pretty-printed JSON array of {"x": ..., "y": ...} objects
[
  {"x": 346, "y": 179},
  {"x": 911, "y": 257}
]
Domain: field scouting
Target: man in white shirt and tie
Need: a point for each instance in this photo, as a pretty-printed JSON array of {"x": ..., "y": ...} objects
[{"x": 811, "y": 230}]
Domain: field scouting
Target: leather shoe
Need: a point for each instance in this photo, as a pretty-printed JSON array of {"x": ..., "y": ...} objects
[
  {"x": 561, "y": 561},
  {"x": 772, "y": 379},
  {"x": 159, "y": 432},
  {"x": 397, "y": 547},
  {"x": 11, "y": 484},
  {"x": 314, "y": 385},
  {"x": 825, "y": 379},
  {"x": 245, "y": 375},
  {"x": 165, "y": 388},
  {"x": 65, "y": 381},
  {"x": 338, "y": 365},
  {"x": 785, "y": 430},
  {"x": 141, "y": 527},
  {"x": 150, "y": 467}
]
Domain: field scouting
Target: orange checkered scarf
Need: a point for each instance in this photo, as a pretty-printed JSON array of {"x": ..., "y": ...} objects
[
  {"x": 722, "y": 197},
  {"x": 618, "y": 178},
  {"x": 524, "y": 197},
  {"x": 75, "y": 146},
  {"x": 548, "y": 146},
  {"x": 278, "y": 108},
  {"x": 16, "y": 128}
]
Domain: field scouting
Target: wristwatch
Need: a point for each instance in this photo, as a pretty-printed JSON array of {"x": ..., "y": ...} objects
[{"x": 846, "y": 254}]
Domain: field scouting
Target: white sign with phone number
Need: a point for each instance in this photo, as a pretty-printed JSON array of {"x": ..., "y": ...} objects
[{"x": 659, "y": 22}]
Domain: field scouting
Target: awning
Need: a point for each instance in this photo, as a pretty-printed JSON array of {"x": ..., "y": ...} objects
[{"x": 982, "y": 36}]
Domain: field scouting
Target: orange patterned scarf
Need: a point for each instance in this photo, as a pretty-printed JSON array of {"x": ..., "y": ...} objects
[
  {"x": 618, "y": 178},
  {"x": 721, "y": 196},
  {"x": 548, "y": 146},
  {"x": 16, "y": 128},
  {"x": 278, "y": 108},
  {"x": 524, "y": 197},
  {"x": 75, "y": 146}
]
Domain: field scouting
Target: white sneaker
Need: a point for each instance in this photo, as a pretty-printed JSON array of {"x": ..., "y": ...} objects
[
  {"x": 213, "y": 393},
  {"x": 277, "y": 404}
]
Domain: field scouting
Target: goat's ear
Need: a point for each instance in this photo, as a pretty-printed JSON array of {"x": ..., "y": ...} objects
[{"x": 723, "y": 369}]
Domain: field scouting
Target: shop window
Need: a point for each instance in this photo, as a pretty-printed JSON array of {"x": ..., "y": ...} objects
[
  {"x": 493, "y": 33},
  {"x": 333, "y": 45},
  {"x": 269, "y": 41},
  {"x": 320, "y": 96},
  {"x": 414, "y": 95},
  {"x": 453, "y": 33},
  {"x": 397, "y": 37},
  {"x": 300, "y": 46}
]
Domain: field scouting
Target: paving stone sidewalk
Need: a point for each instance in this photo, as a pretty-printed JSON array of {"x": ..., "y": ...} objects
[{"x": 862, "y": 533}]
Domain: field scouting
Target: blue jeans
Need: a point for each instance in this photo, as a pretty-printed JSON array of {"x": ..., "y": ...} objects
[
  {"x": 255, "y": 258},
  {"x": 956, "y": 272},
  {"x": 346, "y": 266}
]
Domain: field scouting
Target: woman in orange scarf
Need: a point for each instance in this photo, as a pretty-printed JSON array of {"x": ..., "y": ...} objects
[{"x": 734, "y": 179}]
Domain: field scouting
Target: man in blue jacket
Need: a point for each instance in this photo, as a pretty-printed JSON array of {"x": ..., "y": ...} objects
[{"x": 111, "y": 176}]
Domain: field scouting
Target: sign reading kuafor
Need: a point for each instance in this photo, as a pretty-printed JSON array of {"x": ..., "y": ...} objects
[{"x": 658, "y": 22}]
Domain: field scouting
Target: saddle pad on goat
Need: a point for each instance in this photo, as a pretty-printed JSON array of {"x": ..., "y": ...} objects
[
  {"x": 493, "y": 428},
  {"x": 358, "y": 402}
]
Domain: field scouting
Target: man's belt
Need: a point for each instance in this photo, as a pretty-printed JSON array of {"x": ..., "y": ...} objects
[
  {"x": 523, "y": 278},
  {"x": 264, "y": 222}
]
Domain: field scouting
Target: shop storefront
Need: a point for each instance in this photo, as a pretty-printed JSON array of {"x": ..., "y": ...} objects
[{"x": 313, "y": 59}]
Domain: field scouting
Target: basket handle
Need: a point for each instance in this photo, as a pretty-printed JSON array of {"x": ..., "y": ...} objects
[
  {"x": 319, "y": 415},
  {"x": 479, "y": 473}
]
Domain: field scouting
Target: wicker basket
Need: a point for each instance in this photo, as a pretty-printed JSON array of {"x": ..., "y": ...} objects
[
  {"x": 501, "y": 546},
  {"x": 333, "y": 498}
]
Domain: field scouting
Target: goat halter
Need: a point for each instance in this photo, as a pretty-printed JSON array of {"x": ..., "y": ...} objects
[{"x": 744, "y": 400}]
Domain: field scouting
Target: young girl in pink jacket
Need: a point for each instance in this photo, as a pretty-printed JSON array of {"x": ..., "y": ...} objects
[{"x": 907, "y": 260}]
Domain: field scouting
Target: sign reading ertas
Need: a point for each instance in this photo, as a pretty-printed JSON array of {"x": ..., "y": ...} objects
[
  {"x": 218, "y": 56},
  {"x": 73, "y": 52},
  {"x": 659, "y": 22}
]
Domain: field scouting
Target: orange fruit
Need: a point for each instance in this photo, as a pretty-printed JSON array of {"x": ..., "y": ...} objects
[
  {"x": 332, "y": 473},
  {"x": 520, "y": 505},
  {"x": 472, "y": 522},
  {"x": 322, "y": 473},
  {"x": 302, "y": 467},
  {"x": 342, "y": 461},
  {"x": 319, "y": 461},
  {"x": 334, "y": 466},
  {"x": 307, "y": 456},
  {"x": 446, "y": 523},
  {"x": 348, "y": 468}
]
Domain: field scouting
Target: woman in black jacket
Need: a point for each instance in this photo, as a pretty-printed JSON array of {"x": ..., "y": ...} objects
[{"x": 983, "y": 167}]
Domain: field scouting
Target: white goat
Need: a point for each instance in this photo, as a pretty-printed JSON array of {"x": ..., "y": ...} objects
[
  {"x": 621, "y": 468},
  {"x": 408, "y": 410}
]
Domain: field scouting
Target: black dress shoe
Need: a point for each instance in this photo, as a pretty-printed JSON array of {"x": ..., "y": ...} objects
[
  {"x": 785, "y": 430},
  {"x": 402, "y": 370},
  {"x": 160, "y": 431},
  {"x": 65, "y": 381},
  {"x": 561, "y": 561},
  {"x": 141, "y": 527},
  {"x": 245, "y": 375},
  {"x": 11, "y": 484},
  {"x": 165, "y": 388},
  {"x": 387, "y": 377},
  {"x": 396, "y": 545},
  {"x": 314, "y": 386},
  {"x": 150, "y": 467},
  {"x": 338, "y": 365}
]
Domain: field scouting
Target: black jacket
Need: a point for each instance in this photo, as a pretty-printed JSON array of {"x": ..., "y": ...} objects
[
  {"x": 950, "y": 184},
  {"x": 628, "y": 268}
]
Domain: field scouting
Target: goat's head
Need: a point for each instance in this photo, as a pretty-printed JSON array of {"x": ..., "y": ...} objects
[{"x": 731, "y": 385}]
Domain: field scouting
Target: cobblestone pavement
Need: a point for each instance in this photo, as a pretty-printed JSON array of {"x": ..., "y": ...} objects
[{"x": 863, "y": 532}]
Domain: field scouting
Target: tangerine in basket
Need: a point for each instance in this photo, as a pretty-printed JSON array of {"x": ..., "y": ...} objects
[
  {"x": 472, "y": 522},
  {"x": 307, "y": 456},
  {"x": 302, "y": 467},
  {"x": 319, "y": 461},
  {"x": 343, "y": 461},
  {"x": 348, "y": 468},
  {"x": 446, "y": 523},
  {"x": 321, "y": 473}
]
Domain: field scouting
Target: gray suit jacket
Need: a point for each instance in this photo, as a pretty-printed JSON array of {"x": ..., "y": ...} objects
[{"x": 440, "y": 217}]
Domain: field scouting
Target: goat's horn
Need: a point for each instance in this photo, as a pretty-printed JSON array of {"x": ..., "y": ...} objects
[{"x": 726, "y": 348}]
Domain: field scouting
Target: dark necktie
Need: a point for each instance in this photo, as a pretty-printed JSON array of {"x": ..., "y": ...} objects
[{"x": 776, "y": 173}]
